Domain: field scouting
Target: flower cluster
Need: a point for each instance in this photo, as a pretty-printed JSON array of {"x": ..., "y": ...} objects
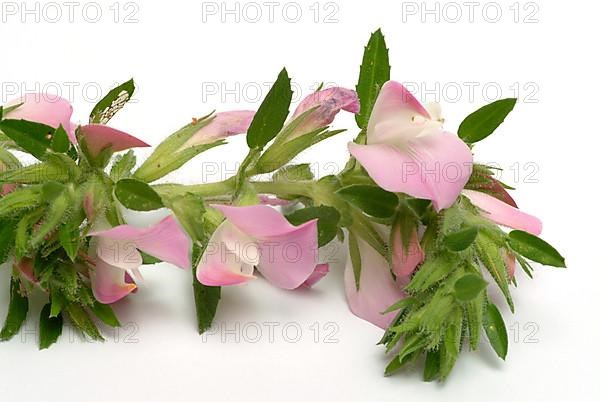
[{"x": 424, "y": 225}]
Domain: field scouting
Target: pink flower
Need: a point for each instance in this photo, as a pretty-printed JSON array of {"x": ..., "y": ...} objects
[
  {"x": 116, "y": 256},
  {"x": 503, "y": 213},
  {"x": 51, "y": 110},
  {"x": 223, "y": 125},
  {"x": 327, "y": 103},
  {"x": 407, "y": 151},
  {"x": 260, "y": 236},
  {"x": 98, "y": 137},
  {"x": 378, "y": 289}
]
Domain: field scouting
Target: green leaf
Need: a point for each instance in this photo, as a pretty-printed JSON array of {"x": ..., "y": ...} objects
[
  {"x": 17, "y": 311},
  {"x": 355, "y": 258},
  {"x": 327, "y": 223},
  {"x": 206, "y": 299},
  {"x": 112, "y": 103},
  {"x": 105, "y": 313},
  {"x": 468, "y": 287},
  {"x": 57, "y": 302},
  {"x": 32, "y": 137},
  {"x": 271, "y": 114},
  {"x": 460, "y": 240},
  {"x": 137, "y": 195},
  {"x": 60, "y": 140},
  {"x": 123, "y": 166},
  {"x": 373, "y": 200},
  {"x": 50, "y": 327},
  {"x": 495, "y": 330},
  {"x": 374, "y": 72},
  {"x": 7, "y": 238},
  {"x": 481, "y": 123},
  {"x": 534, "y": 248}
]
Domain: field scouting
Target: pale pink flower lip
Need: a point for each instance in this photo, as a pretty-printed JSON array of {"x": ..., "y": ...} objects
[
  {"x": 44, "y": 108},
  {"x": 377, "y": 289},
  {"x": 504, "y": 214},
  {"x": 109, "y": 283},
  {"x": 259, "y": 236},
  {"x": 98, "y": 137},
  {"x": 117, "y": 255},
  {"x": 408, "y": 152},
  {"x": 166, "y": 240}
]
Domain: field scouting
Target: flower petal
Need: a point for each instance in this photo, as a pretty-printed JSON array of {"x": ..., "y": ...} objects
[
  {"x": 287, "y": 252},
  {"x": 51, "y": 110},
  {"x": 223, "y": 261},
  {"x": 434, "y": 167},
  {"x": 377, "y": 290},
  {"x": 328, "y": 102},
  {"x": 257, "y": 221},
  {"x": 224, "y": 124},
  {"x": 165, "y": 240},
  {"x": 121, "y": 254},
  {"x": 319, "y": 273},
  {"x": 405, "y": 259},
  {"x": 98, "y": 137},
  {"x": 397, "y": 116},
  {"x": 108, "y": 282},
  {"x": 288, "y": 260},
  {"x": 504, "y": 214}
]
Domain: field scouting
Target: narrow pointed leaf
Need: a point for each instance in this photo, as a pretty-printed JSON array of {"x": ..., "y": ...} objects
[
  {"x": 481, "y": 123},
  {"x": 50, "y": 327},
  {"x": 534, "y": 248},
  {"x": 271, "y": 114}
]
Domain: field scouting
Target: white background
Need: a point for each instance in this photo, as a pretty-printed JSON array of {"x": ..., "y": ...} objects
[{"x": 178, "y": 54}]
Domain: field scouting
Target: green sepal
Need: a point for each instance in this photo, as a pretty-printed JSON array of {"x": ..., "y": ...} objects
[
  {"x": 292, "y": 173},
  {"x": 19, "y": 199},
  {"x": 489, "y": 254},
  {"x": 82, "y": 321},
  {"x": 60, "y": 140}
]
